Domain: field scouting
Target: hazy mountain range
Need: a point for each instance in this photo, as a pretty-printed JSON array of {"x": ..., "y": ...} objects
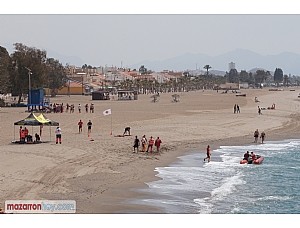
[{"x": 243, "y": 59}]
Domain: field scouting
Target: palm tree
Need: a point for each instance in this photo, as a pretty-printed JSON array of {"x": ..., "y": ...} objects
[{"x": 207, "y": 67}]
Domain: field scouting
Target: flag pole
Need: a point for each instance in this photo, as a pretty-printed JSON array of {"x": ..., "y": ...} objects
[{"x": 111, "y": 124}]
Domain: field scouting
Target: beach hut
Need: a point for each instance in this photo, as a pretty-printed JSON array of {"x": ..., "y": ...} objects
[
  {"x": 100, "y": 95},
  {"x": 35, "y": 120}
]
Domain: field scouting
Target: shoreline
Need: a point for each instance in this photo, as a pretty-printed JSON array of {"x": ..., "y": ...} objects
[
  {"x": 100, "y": 173},
  {"x": 124, "y": 205},
  {"x": 133, "y": 206}
]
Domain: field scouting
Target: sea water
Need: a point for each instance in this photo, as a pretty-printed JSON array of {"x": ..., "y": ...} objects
[{"x": 224, "y": 186}]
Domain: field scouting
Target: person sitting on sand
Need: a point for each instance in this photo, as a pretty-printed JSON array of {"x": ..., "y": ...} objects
[
  {"x": 273, "y": 106},
  {"x": 37, "y": 137}
]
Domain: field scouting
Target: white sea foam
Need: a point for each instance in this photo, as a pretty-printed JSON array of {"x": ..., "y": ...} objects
[
  {"x": 274, "y": 198},
  {"x": 227, "y": 187},
  {"x": 205, "y": 206},
  {"x": 223, "y": 185}
]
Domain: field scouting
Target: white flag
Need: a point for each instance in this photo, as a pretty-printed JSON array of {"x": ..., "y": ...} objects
[{"x": 107, "y": 112}]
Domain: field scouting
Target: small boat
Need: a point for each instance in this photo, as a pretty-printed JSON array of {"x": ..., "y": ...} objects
[
  {"x": 257, "y": 161},
  {"x": 243, "y": 161}
]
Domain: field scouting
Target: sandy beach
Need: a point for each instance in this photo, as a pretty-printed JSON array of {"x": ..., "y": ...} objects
[{"x": 100, "y": 173}]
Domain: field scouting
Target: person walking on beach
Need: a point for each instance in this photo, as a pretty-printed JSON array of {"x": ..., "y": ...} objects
[
  {"x": 89, "y": 124},
  {"x": 238, "y": 109},
  {"x": 92, "y": 108},
  {"x": 144, "y": 143},
  {"x": 86, "y": 108},
  {"x": 256, "y": 134},
  {"x": 157, "y": 144},
  {"x": 80, "y": 124},
  {"x": 234, "y": 109},
  {"x": 79, "y": 108},
  {"x": 208, "y": 154},
  {"x": 259, "y": 110},
  {"x": 136, "y": 144},
  {"x": 150, "y": 144},
  {"x": 262, "y": 136},
  {"x": 58, "y": 135}
]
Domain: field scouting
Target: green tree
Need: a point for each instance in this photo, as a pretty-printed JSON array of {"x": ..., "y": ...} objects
[
  {"x": 251, "y": 78},
  {"x": 56, "y": 75},
  {"x": 207, "y": 67},
  {"x": 278, "y": 76},
  {"x": 260, "y": 76},
  {"x": 244, "y": 76},
  {"x": 5, "y": 71},
  {"x": 233, "y": 76},
  {"x": 24, "y": 59}
]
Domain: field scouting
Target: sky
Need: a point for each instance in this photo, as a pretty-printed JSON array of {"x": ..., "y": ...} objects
[{"x": 125, "y": 39}]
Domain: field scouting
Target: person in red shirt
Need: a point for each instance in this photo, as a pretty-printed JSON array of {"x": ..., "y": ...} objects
[
  {"x": 157, "y": 143},
  {"x": 80, "y": 123},
  {"x": 26, "y": 133},
  {"x": 150, "y": 144},
  {"x": 22, "y": 135}
]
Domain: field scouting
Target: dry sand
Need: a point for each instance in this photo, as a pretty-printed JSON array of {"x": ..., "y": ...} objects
[{"x": 100, "y": 174}]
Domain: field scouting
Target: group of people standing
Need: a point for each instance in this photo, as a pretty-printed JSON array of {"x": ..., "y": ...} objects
[
  {"x": 88, "y": 108},
  {"x": 262, "y": 136},
  {"x": 236, "y": 109},
  {"x": 59, "y": 108},
  {"x": 147, "y": 145},
  {"x": 89, "y": 126}
]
